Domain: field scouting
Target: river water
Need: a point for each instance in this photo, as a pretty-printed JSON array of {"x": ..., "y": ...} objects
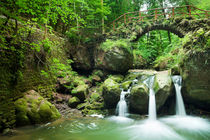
[{"x": 93, "y": 128}]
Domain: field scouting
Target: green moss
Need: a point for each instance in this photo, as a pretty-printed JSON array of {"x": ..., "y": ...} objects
[
  {"x": 73, "y": 102},
  {"x": 21, "y": 112},
  {"x": 117, "y": 78},
  {"x": 140, "y": 88},
  {"x": 45, "y": 111},
  {"x": 95, "y": 97},
  {"x": 109, "y": 44},
  {"x": 82, "y": 105},
  {"x": 126, "y": 85},
  {"x": 32, "y": 109},
  {"x": 131, "y": 76},
  {"x": 110, "y": 84},
  {"x": 80, "y": 91}
]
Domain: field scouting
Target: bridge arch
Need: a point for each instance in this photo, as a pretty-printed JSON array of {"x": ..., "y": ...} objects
[{"x": 132, "y": 27}]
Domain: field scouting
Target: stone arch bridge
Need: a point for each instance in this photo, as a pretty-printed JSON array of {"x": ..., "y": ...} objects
[{"x": 178, "y": 20}]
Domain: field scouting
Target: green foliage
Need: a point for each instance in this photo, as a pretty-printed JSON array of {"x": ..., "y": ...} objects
[
  {"x": 109, "y": 44},
  {"x": 153, "y": 45},
  {"x": 58, "y": 69}
]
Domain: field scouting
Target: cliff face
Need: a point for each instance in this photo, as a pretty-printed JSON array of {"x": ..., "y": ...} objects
[{"x": 24, "y": 56}]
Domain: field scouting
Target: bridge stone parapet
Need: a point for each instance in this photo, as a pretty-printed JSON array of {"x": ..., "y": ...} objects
[
  {"x": 178, "y": 20},
  {"x": 179, "y": 26}
]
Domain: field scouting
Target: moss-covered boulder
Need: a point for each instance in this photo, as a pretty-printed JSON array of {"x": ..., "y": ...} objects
[
  {"x": 138, "y": 99},
  {"x": 139, "y": 96},
  {"x": 114, "y": 56},
  {"x": 163, "y": 87},
  {"x": 73, "y": 102},
  {"x": 94, "y": 108},
  {"x": 196, "y": 79},
  {"x": 80, "y": 91},
  {"x": 33, "y": 109},
  {"x": 94, "y": 103},
  {"x": 111, "y": 93}
]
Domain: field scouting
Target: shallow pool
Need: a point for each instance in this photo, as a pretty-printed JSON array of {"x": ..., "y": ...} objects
[{"x": 117, "y": 128}]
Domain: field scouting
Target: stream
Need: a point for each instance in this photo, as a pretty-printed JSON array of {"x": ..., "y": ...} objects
[{"x": 93, "y": 128}]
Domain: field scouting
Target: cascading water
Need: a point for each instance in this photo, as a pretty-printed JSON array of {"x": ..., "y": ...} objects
[
  {"x": 180, "y": 109},
  {"x": 152, "y": 104},
  {"x": 122, "y": 108}
]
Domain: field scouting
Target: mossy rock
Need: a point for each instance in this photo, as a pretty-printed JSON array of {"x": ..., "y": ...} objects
[
  {"x": 126, "y": 85},
  {"x": 117, "y": 78},
  {"x": 21, "y": 112},
  {"x": 80, "y": 91},
  {"x": 138, "y": 99},
  {"x": 90, "y": 112},
  {"x": 95, "y": 97},
  {"x": 82, "y": 105},
  {"x": 131, "y": 76},
  {"x": 196, "y": 80},
  {"x": 114, "y": 57},
  {"x": 73, "y": 102},
  {"x": 95, "y": 105},
  {"x": 139, "y": 96},
  {"x": 32, "y": 109},
  {"x": 163, "y": 87},
  {"x": 99, "y": 73},
  {"x": 111, "y": 93}
]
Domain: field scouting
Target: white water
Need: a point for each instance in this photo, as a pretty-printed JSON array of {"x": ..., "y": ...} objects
[
  {"x": 122, "y": 108},
  {"x": 195, "y": 127},
  {"x": 180, "y": 108},
  {"x": 151, "y": 130},
  {"x": 152, "y": 103}
]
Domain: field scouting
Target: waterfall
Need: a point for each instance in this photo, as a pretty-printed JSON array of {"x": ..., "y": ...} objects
[
  {"x": 152, "y": 104},
  {"x": 180, "y": 109},
  {"x": 122, "y": 108}
]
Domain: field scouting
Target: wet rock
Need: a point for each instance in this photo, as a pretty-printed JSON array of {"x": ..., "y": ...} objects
[
  {"x": 163, "y": 87},
  {"x": 139, "y": 97},
  {"x": 33, "y": 109},
  {"x": 111, "y": 93},
  {"x": 195, "y": 72}
]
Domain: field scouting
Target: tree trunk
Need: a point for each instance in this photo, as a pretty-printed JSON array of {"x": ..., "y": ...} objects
[
  {"x": 102, "y": 21},
  {"x": 164, "y": 14},
  {"x": 16, "y": 26},
  {"x": 169, "y": 37},
  {"x": 5, "y": 24}
]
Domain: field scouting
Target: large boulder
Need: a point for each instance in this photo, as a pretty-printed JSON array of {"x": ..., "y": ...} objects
[
  {"x": 163, "y": 87},
  {"x": 33, "y": 108},
  {"x": 196, "y": 79},
  {"x": 111, "y": 93},
  {"x": 139, "y": 96},
  {"x": 115, "y": 58},
  {"x": 82, "y": 57},
  {"x": 81, "y": 91}
]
